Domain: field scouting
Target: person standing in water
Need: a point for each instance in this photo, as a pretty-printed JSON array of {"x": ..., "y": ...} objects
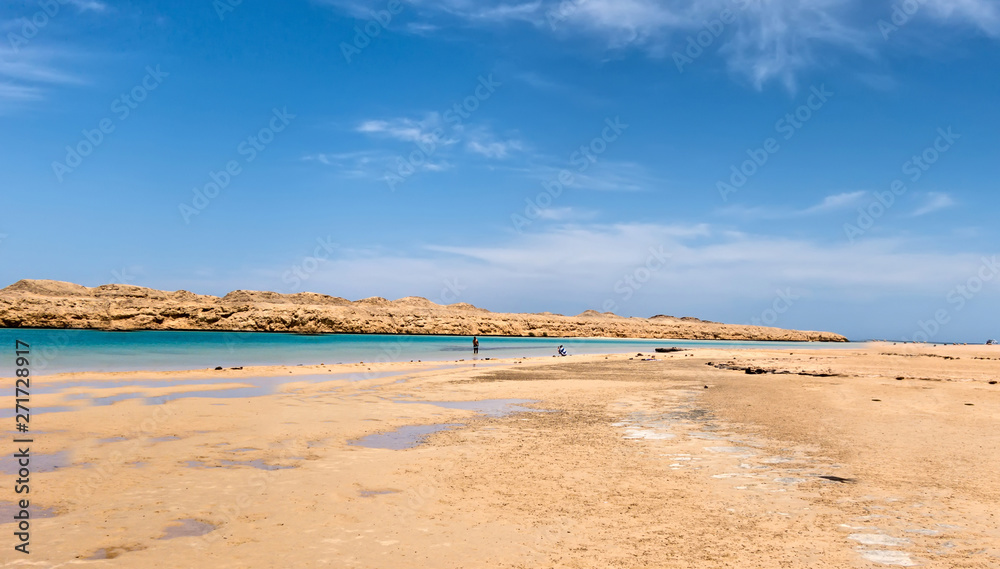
[{"x": 475, "y": 345}]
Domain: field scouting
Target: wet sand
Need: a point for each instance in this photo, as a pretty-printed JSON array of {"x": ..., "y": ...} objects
[{"x": 679, "y": 462}]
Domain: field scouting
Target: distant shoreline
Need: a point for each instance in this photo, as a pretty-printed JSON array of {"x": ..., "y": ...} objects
[
  {"x": 419, "y": 335},
  {"x": 61, "y": 305}
]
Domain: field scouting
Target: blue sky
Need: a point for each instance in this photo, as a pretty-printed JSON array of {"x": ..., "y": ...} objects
[{"x": 818, "y": 164}]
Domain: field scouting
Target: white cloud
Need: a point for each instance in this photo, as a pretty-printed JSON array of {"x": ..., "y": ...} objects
[
  {"x": 483, "y": 142},
  {"x": 360, "y": 9},
  {"x": 429, "y": 130},
  {"x": 603, "y": 176},
  {"x": 29, "y": 74},
  {"x": 526, "y": 11},
  {"x": 361, "y": 165},
  {"x": 14, "y": 92},
  {"x": 88, "y": 5},
  {"x": 776, "y": 40},
  {"x": 614, "y": 177},
  {"x": 340, "y": 157},
  {"x": 576, "y": 267},
  {"x": 440, "y": 146},
  {"x": 437, "y": 166},
  {"x": 38, "y": 64},
  {"x": 421, "y": 28},
  {"x": 370, "y": 164},
  {"x": 934, "y": 201},
  {"x": 836, "y": 202},
  {"x": 770, "y": 40},
  {"x": 829, "y": 204},
  {"x": 562, "y": 91},
  {"x": 565, "y": 214},
  {"x": 493, "y": 149},
  {"x": 984, "y": 14},
  {"x": 30, "y": 65}
]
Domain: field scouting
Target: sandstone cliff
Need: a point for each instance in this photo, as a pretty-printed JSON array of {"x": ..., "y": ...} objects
[{"x": 54, "y": 304}]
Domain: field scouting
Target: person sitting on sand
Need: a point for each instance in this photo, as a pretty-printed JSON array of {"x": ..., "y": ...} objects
[{"x": 562, "y": 351}]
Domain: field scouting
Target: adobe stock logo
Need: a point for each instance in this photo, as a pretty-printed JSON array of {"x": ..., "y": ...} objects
[
  {"x": 582, "y": 158},
  {"x": 122, "y": 108},
  {"x": 409, "y": 164},
  {"x": 364, "y": 35},
  {"x": 902, "y": 13},
  {"x": 30, "y": 27},
  {"x": 914, "y": 169},
  {"x": 633, "y": 281},
  {"x": 784, "y": 300},
  {"x": 958, "y": 297},
  {"x": 560, "y": 13},
  {"x": 786, "y": 126},
  {"x": 299, "y": 273},
  {"x": 225, "y": 7},
  {"x": 711, "y": 31},
  {"x": 219, "y": 180}
]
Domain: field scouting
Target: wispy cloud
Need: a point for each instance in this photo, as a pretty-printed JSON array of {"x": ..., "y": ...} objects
[
  {"x": 360, "y": 9},
  {"x": 616, "y": 176},
  {"x": 482, "y": 141},
  {"x": 565, "y": 214},
  {"x": 443, "y": 146},
  {"x": 361, "y": 165},
  {"x": 370, "y": 165},
  {"x": 428, "y": 130},
  {"x": 29, "y": 75},
  {"x": 984, "y": 14},
  {"x": 493, "y": 149},
  {"x": 603, "y": 176},
  {"x": 13, "y": 92},
  {"x": 87, "y": 5},
  {"x": 771, "y": 40},
  {"x": 933, "y": 201},
  {"x": 30, "y": 64},
  {"x": 558, "y": 89},
  {"x": 829, "y": 204},
  {"x": 421, "y": 28},
  {"x": 835, "y": 202},
  {"x": 705, "y": 265},
  {"x": 36, "y": 67},
  {"x": 503, "y": 12}
]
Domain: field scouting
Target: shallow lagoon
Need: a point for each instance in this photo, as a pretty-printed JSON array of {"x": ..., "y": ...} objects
[{"x": 60, "y": 351}]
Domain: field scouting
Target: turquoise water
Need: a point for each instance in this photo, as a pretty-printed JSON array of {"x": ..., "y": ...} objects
[{"x": 58, "y": 351}]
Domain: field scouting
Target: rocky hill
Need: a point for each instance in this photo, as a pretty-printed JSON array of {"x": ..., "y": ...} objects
[{"x": 54, "y": 304}]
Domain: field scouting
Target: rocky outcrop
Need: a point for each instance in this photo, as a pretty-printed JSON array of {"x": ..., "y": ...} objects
[{"x": 53, "y": 304}]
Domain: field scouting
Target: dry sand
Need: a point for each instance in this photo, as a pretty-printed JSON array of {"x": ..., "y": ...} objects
[{"x": 634, "y": 464}]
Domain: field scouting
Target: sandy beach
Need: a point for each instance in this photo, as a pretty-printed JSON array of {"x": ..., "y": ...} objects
[
  {"x": 884, "y": 455},
  {"x": 494, "y": 284}
]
